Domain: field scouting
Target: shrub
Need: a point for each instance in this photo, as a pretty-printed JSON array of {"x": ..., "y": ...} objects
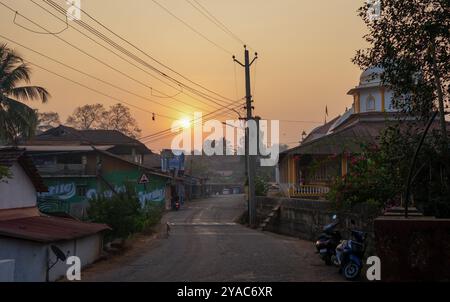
[
  {"x": 123, "y": 213},
  {"x": 261, "y": 186}
]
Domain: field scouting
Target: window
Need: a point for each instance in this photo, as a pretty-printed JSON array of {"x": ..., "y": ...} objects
[
  {"x": 81, "y": 190},
  {"x": 370, "y": 105}
]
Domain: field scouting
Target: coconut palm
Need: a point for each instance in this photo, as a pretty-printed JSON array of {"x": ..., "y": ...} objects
[{"x": 17, "y": 120}]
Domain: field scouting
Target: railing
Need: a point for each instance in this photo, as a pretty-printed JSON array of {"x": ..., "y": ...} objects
[
  {"x": 308, "y": 191},
  {"x": 62, "y": 169}
]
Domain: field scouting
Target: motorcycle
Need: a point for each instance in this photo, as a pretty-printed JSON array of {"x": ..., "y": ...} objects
[
  {"x": 349, "y": 255},
  {"x": 328, "y": 241}
]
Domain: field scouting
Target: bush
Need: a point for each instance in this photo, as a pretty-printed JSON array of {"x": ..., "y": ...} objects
[
  {"x": 124, "y": 214},
  {"x": 261, "y": 186}
]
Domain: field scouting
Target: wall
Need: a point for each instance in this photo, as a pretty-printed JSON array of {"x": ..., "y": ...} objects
[
  {"x": 18, "y": 191},
  {"x": 413, "y": 249},
  {"x": 7, "y": 270},
  {"x": 306, "y": 218},
  {"x": 31, "y": 257},
  {"x": 72, "y": 194}
]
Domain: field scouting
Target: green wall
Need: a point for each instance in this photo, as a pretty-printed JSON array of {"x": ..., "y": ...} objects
[{"x": 72, "y": 194}]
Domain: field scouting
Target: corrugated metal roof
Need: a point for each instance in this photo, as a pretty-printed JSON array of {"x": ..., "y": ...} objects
[{"x": 48, "y": 229}]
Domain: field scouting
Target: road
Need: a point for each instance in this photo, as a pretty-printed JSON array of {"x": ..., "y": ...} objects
[{"x": 205, "y": 244}]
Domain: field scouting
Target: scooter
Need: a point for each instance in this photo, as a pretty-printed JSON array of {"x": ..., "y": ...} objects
[
  {"x": 349, "y": 255},
  {"x": 176, "y": 206},
  {"x": 328, "y": 241}
]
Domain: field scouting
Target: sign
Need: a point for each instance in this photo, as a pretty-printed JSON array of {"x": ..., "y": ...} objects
[{"x": 144, "y": 179}]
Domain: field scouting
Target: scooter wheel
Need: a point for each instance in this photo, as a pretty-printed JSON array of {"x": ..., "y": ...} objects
[{"x": 351, "y": 270}]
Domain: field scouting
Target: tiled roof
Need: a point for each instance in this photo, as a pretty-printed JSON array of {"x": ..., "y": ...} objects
[
  {"x": 48, "y": 229},
  {"x": 68, "y": 135},
  {"x": 10, "y": 155}
]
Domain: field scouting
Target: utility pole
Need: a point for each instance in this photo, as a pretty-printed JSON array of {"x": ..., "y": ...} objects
[{"x": 250, "y": 159}]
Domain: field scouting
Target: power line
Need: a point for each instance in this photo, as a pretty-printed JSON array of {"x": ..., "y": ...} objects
[
  {"x": 132, "y": 56},
  {"x": 205, "y": 12},
  {"x": 149, "y": 56},
  {"x": 117, "y": 47},
  {"x": 193, "y": 121},
  {"x": 97, "y": 91},
  {"x": 192, "y": 28},
  {"x": 90, "y": 76}
]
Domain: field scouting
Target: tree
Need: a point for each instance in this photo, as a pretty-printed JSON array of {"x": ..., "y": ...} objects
[
  {"x": 86, "y": 117},
  {"x": 47, "y": 120},
  {"x": 95, "y": 116},
  {"x": 119, "y": 118},
  {"x": 411, "y": 41},
  {"x": 17, "y": 120}
]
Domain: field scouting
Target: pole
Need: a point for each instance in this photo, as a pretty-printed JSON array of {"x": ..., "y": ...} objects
[{"x": 250, "y": 159}]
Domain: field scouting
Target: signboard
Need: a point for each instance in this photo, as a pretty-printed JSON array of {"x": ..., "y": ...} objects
[
  {"x": 172, "y": 162},
  {"x": 143, "y": 179}
]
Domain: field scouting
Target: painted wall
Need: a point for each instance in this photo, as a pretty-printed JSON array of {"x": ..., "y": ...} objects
[
  {"x": 7, "y": 268},
  {"x": 31, "y": 257},
  {"x": 72, "y": 194},
  {"x": 18, "y": 191}
]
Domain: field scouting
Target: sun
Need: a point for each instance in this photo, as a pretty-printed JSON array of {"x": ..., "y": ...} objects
[{"x": 185, "y": 123}]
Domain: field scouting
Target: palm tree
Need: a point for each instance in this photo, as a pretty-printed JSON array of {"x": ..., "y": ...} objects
[{"x": 17, "y": 120}]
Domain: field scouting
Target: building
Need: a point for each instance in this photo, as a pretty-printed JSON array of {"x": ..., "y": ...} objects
[
  {"x": 308, "y": 169},
  {"x": 27, "y": 235},
  {"x": 112, "y": 141},
  {"x": 77, "y": 165}
]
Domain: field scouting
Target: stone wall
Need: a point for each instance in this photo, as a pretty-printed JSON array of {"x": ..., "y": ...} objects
[
  {"x": 305, "y": 218},
  {"x": 413, "y": 249}
]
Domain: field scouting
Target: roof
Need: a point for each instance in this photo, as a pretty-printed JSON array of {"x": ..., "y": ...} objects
[
  {"x": 63, "y": 135},
  {"x": 56, "y": 148},
  {"x": 358, "y": 129},
  {"x": 10, "y": 155},
  {"x": 320, "y": 131},
  {"x": 146, "y": 169},
  {"x": 47, "y": 229},
  {"x": 348, "y": 139}
]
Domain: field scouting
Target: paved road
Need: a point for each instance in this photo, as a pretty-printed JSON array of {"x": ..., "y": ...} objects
[{"x": 206, "y": 245}]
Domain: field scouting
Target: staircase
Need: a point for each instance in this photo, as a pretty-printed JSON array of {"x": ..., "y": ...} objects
[
  {"x": 262, "y": 226},
  {"x": 400, "y": 211}
]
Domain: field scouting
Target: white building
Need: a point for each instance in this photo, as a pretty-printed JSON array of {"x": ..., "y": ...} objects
[{"x": 26, "y": 235}]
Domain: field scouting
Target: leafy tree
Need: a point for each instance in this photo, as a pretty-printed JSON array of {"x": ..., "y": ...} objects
[
  {"x": 119, "y": 117},
  {"x": 47, "y": 120},
  {"x": 378, "y": 174},
  {"x": 17, "y": 120},
  {"x": 86, "y": 117},
  {"x": 411, "y": 41},
  {"x": 95, "y": 116}
]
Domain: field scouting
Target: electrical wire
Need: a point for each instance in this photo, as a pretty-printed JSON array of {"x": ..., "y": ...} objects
[
  {"x": 89, "y": 75},
  {"x": 216, "y": 21},
  {"x": 132, "y": 56},
  {"x": 192, "y": 28},
  {"x": 97, "y": 91},
  {"x": 148, "y": 55},
  {"x": 126, "y": 60}
]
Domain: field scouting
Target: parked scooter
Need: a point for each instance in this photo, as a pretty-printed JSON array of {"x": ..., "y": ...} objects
[
  {"x": 349, "y": 255},
  {"x": 328, "y": 241},
  {"x": 176, "y": 206}
]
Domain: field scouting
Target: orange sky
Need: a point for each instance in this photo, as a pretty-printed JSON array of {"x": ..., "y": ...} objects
[{"x": 304, "y": 47}]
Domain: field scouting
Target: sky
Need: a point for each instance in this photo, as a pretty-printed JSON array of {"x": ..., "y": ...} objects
[{"x": 304, "y": 57}]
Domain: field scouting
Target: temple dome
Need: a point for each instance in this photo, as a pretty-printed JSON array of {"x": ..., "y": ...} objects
[{"x": 371, "y": 76}]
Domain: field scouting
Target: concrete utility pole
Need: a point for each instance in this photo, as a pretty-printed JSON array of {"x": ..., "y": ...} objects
[{"x": 250, "y": 159}]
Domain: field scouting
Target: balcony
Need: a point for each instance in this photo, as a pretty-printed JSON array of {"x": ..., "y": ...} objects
[
  {"x": 308, "y": 191},
  {"x": 62, "y": 169}
]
